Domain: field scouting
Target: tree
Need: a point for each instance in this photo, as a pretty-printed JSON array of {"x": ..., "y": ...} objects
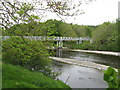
[
  {"x": 66, "y": 30},
  {"x": 99, "y": 35},
  {"x": 50, "y": 28},
  {"x": 76, "y": 28},
  {"x": 32, "y": 28},
  {"x": 82, "y": 31},
  {"x": 17, "y": 11},
  {"x": 33, "y": 55},
  {"x": 105, "y": 36}
]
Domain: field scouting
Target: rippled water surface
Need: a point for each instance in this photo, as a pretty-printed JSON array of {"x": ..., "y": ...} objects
[
  {"x": 83, "y": 77},
  {"x": 79, "y": 77},
  {"x": 109, "y": 60}
]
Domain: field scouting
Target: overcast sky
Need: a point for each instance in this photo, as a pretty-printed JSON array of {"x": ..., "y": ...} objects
[{"x": 96, "y": 13}]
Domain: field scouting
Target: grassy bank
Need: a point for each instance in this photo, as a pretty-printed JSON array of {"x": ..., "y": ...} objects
[{"x": 18, "y": 77}]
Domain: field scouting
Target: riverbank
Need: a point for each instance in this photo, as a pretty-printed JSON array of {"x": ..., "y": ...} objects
[
  {"x": 81, "y": 63},
  {"x": 93, "y": 51},
  {"x": 98, "y": 52},
  {"x": 14, "y": 76}
]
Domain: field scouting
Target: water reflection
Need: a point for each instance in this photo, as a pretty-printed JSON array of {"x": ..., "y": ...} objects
[{"x": 59, "y": 52}]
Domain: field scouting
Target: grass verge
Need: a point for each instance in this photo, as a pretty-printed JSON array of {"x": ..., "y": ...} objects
[{"x": 19, "y": 77}]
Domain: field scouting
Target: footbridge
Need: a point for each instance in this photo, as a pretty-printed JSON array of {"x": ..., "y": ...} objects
[{"x": 59, "y": 40}]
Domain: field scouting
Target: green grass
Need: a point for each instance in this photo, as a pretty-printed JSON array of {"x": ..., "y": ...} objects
[{"x": 19, "y": 77}]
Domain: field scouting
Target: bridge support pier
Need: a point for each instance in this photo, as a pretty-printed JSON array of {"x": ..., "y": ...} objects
[
  {"x": 57, "y": 43},
  {"x": 91, "y": 41},
  {"x": 60, "y": 44},
  {"x": 79, "y": 42}
]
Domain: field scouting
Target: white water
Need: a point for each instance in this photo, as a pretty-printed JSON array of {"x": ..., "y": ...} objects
[{"x": 81, "y": 63}]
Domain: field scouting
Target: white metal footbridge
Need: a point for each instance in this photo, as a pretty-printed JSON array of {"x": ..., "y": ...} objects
[{"x": 59, "y": 40}]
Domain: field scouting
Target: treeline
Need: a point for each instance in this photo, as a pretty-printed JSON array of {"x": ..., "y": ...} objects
[
  {"x": 104, "y": 36},
  {"x": 49, "y": 28}
]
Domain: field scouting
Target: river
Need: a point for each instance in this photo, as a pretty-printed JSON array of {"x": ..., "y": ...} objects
[{"x": 83, "y": 77}]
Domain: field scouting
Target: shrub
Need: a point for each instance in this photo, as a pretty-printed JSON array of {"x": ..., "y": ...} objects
[
  {"x": 112, "y": 78},
  {"x": 29, "y": 54}
]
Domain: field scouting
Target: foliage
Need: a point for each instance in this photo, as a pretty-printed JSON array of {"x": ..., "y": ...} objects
[
  {"x": 66, "y": 30},
  {"x": 48, "y": 71},
  {"x": 19, "y": 77},
  {"x": 25, "y": 11},
  {"x": 33, "y": 28},
  {"x": 29, "y": 54},
  {"x": 82, "y": 31},
  {"x": 111, "y": 77},
  {"x": 48, "y": 28},
  {"x": 16, "y": 12},
  {"x": 84, "y": 45},
  {"x": 105, "y": 37}
]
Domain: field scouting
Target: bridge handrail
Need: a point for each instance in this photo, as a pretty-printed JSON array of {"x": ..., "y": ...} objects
[{"x": 52, "y": 38}]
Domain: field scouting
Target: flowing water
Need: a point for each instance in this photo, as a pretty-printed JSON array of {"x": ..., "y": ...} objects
[
  {"x": 83, "y": 77},
  {"x": 109, "y": 60}
]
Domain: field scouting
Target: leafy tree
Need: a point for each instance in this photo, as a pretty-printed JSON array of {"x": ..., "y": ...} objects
[
  {"x": 82, "y": 31},
  {"x": 105, "y": 36},
  {"x": 50, "y": 28},
  {"x": 66, "y": 30},
  {"x": 31, "y": 55},
  {"x": 76, "y": 28},
  {"x": 16, "y": 11},
  {"x": 33, "y": 28}
]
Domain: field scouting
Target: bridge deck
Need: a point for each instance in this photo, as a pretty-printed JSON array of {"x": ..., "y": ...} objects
[{"x": 44, "y": 38}]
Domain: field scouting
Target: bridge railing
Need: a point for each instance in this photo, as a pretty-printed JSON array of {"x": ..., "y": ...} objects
[{"x": 44, "y": 38}]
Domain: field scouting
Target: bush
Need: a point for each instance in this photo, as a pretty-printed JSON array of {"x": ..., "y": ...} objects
[
  {"x": 112, "y": 78},
  {"x": 29, "y": 54},
  {"x": 86, "y": 45}
]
